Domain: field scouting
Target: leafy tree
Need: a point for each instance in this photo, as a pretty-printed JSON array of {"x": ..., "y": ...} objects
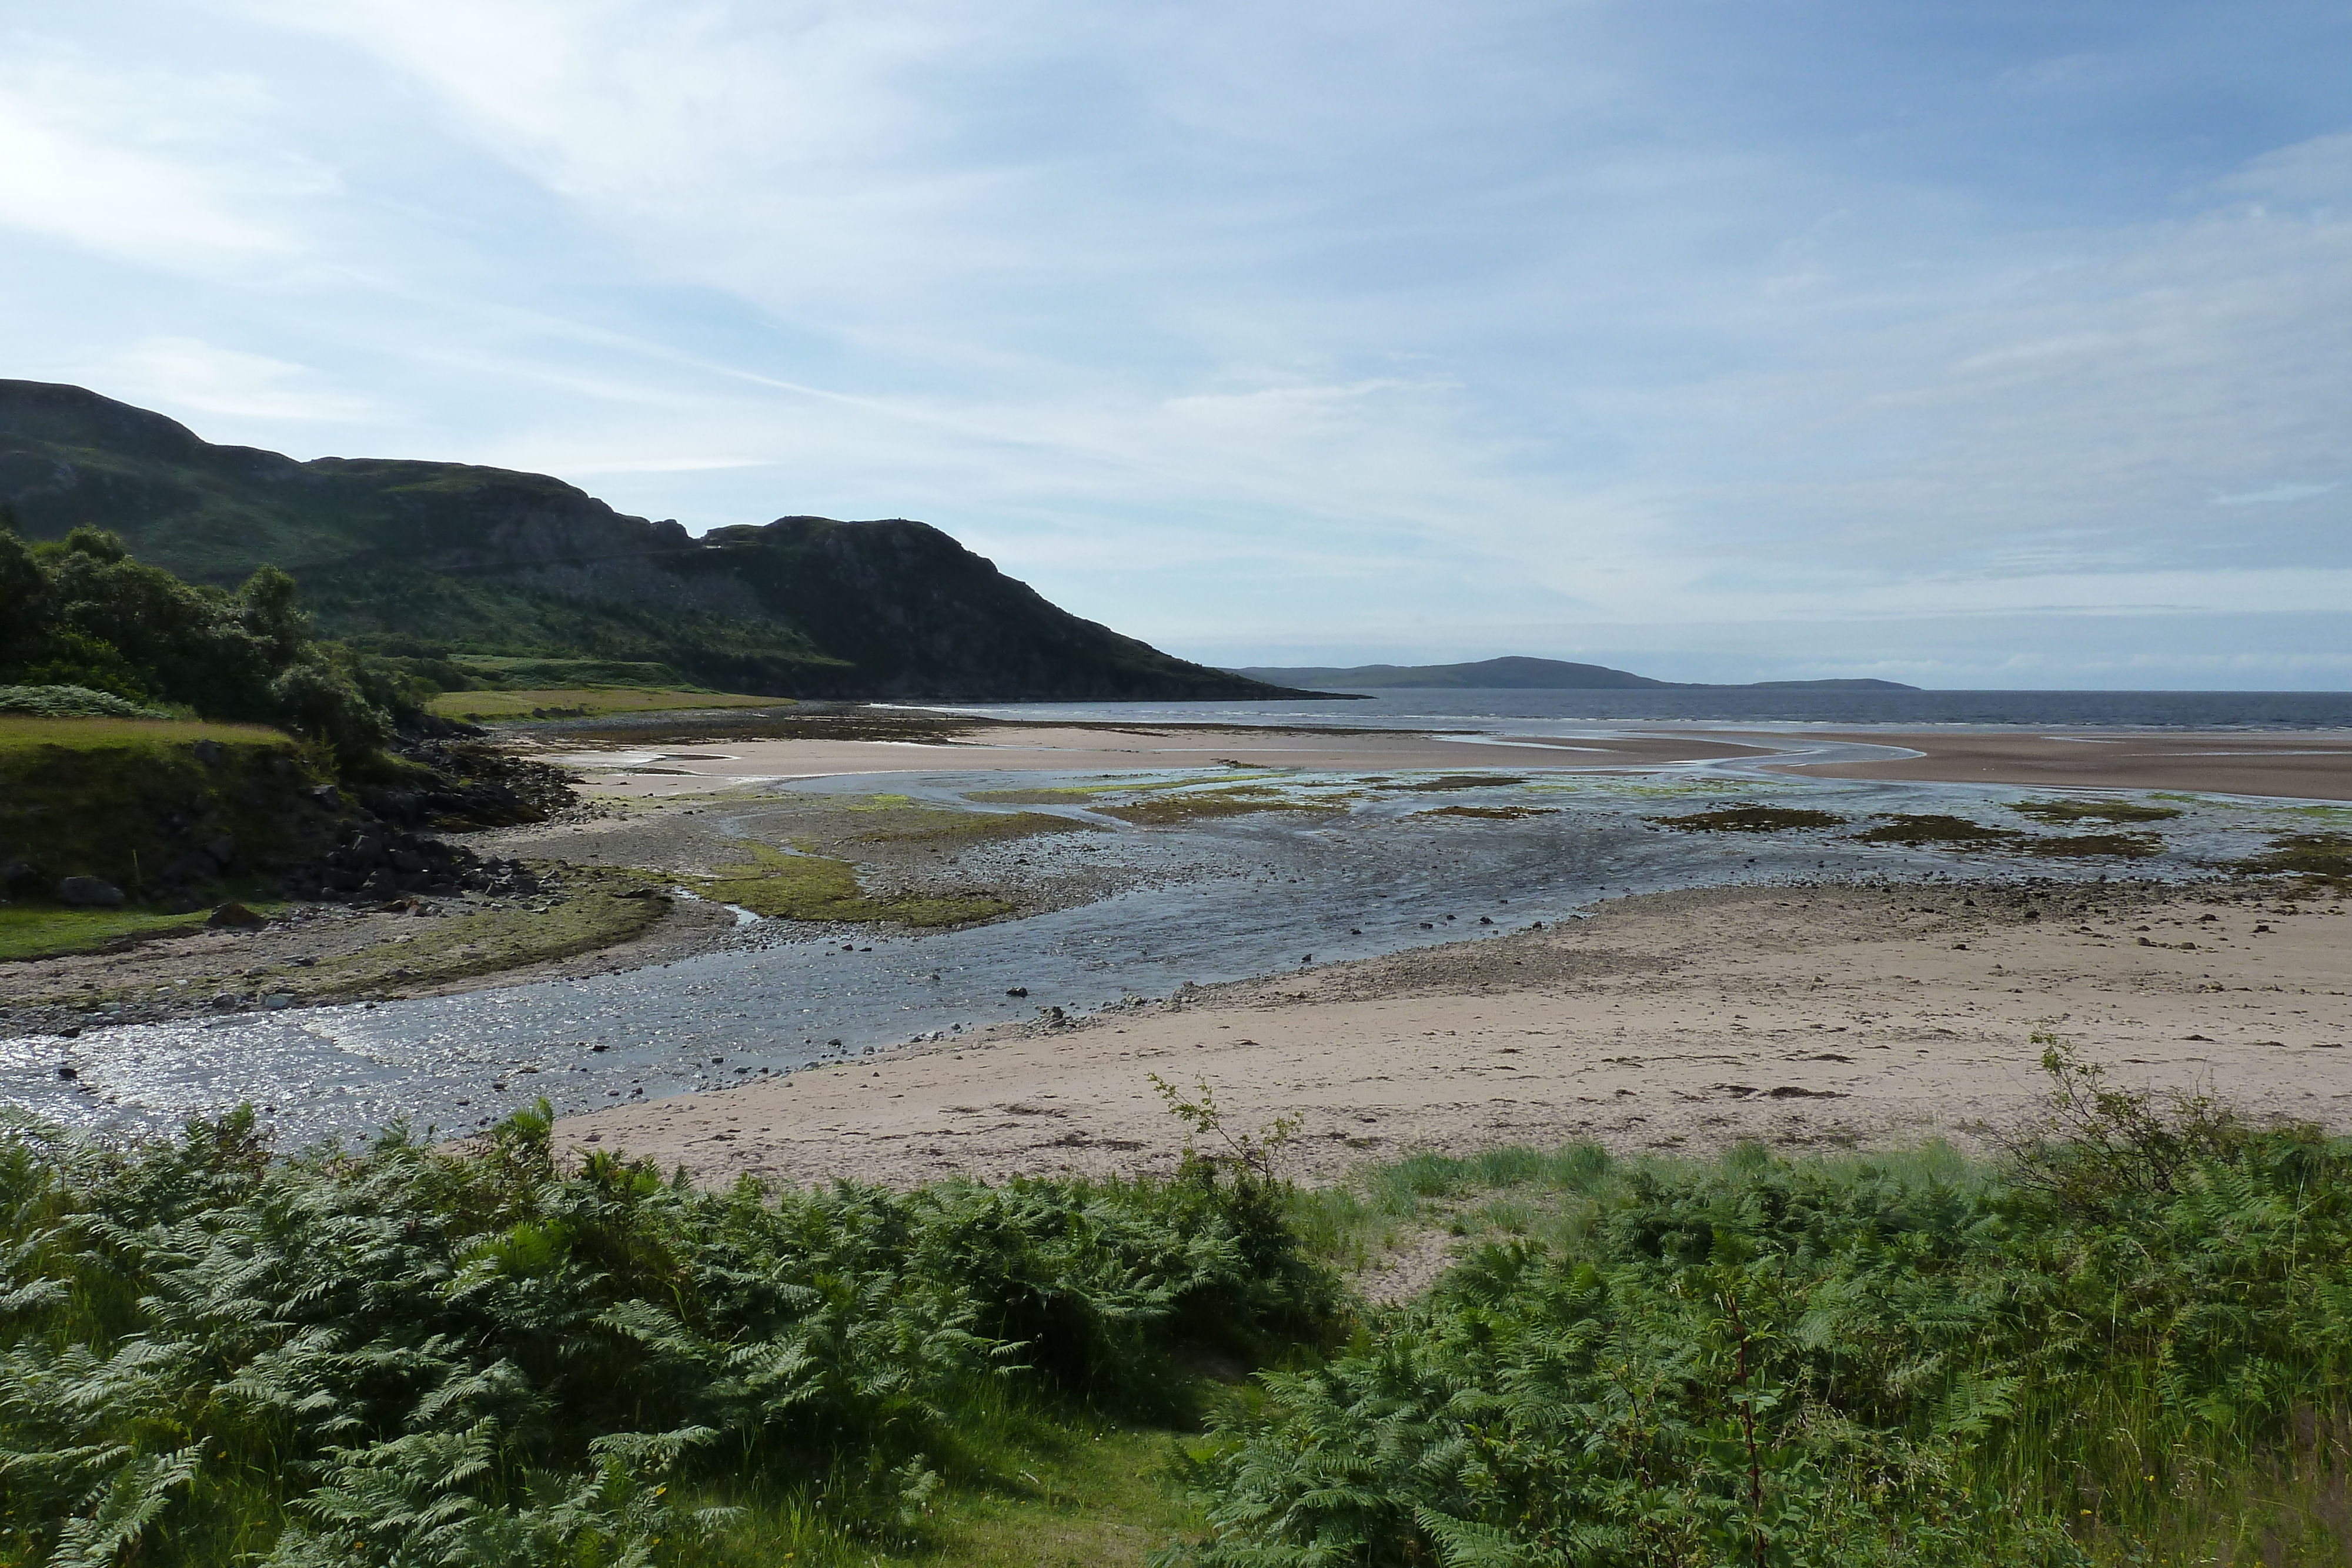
[{"x": 82, "y": 612}]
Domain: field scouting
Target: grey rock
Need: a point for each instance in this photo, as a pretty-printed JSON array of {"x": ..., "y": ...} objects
[{"x": 89, "y": 893}]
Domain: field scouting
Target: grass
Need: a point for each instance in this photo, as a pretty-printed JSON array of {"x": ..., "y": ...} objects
[
  {"x": 137, "y": 802},
  {"x": 20, "y": 735},
  {"x": 465, "y": 939},
  {"x": 50, "y": 931},
  {"x": 583, "y": 702},
  {"x": 779, "y": 885}
]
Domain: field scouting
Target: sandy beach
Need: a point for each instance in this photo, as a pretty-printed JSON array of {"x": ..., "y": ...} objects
[
  {"x": 656, "y": 771},
  {"x": 1808, "y": 1018},
  {"x": 2305, "y": 765}
]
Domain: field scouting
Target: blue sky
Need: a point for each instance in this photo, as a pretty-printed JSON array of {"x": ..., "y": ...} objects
[{"x": 1990, "y": 344}]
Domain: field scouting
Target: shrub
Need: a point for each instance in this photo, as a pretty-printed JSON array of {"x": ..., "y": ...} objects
[
  {"x": 84, "y": 613},
  {"x": 1766, "y": 1362},
  {"x": 418, "y": 1355}
]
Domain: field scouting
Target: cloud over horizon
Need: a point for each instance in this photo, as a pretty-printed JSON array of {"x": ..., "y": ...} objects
[{"x": 1741, "y": 340}]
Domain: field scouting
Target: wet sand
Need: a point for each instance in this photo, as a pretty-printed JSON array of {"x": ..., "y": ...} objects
[
  {"x": 2307, "y": 764},
  {"x": 1807, "y": 1018},
  {"x": 654, "y": 771}
]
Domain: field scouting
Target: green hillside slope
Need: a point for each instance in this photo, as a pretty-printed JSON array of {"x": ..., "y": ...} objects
[{"x": 432, "y": 558}]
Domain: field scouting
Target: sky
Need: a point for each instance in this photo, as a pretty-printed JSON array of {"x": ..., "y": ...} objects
[{"x": 1996, "y": 344}]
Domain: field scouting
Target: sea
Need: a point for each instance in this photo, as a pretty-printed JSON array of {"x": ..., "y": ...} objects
[{"x": 1214, "y": 900}]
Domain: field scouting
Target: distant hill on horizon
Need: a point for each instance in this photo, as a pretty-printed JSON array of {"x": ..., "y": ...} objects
[{"x": 1516, "y": 672}]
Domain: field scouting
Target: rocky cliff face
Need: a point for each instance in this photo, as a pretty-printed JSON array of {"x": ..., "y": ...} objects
[{"x": 437, "y": 557}]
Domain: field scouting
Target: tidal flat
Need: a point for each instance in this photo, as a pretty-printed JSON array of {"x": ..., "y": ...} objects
[{"x": 1076, "y": 908}]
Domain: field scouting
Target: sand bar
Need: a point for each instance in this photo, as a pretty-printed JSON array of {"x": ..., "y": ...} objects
[
  {"x": 1810, "y": 1018},
  {"x": 2310, "y": 765},
  {"x": 652, "y": 772}
]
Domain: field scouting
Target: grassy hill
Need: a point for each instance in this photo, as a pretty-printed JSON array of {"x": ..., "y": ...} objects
[{"x": 426, "y": 560}]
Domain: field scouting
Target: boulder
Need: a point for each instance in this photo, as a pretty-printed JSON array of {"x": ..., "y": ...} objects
[
  {"x": 89, "y": 893},
  {"x": 235, "y": 917}
]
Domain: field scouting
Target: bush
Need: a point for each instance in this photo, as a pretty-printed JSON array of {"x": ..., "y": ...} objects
[
  {"x": 2105, "y": 1354},
  {"x": 84, "y": 613}
]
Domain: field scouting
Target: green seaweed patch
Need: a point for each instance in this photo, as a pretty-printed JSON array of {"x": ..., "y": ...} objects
[
  {"x": 2325, "y": 857},
  {"x": 2063, "y": 813},
  {"x": 1749, "y": 818},
  {"x": 1078, "y": 794},
  {"x": 1616, "y": 787},
  {"x": 1167, "y": 810},
  {"x": 1444, "y": 782},
  {"x": 934, "y": 824},
  {"x": 2082, "y": 846},
  {"x": 781, "y": 886},
  {"x": 1914, "y": 831},
  {"x": 1490, "y": 813},
  {"x": 1927, "y": 831}
]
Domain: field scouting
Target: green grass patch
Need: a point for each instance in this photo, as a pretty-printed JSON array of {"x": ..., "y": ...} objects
[
  {"x": 20, "y": 735},
  {"x": 583, "y": 702},
  {"x": 141, "y": 803},
  {"x": 51, "y": 931},
  {"x": 781, "y": 885},
  {"x": 2064, "y": 813},
  {"x": 1749, "y": 819}
]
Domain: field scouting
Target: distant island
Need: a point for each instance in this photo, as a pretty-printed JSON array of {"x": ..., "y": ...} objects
[{"x": 1515, "y": 673}]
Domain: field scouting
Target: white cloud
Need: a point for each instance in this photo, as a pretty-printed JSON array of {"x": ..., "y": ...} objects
[
  {"x": 188, "y": 375},
  {"x": 146, "y": 164},
  {"x": 2272, "y": 495}
]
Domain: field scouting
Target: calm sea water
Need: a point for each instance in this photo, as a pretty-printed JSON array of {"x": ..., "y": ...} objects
[{"x": 2187, "y": 710}]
